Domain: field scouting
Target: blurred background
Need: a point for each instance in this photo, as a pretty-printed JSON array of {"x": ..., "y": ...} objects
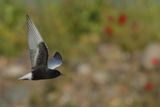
[{"x": 110, "y": 49}]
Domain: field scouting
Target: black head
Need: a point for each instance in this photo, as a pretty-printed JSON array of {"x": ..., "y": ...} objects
[{"x": 54, "y": 73}]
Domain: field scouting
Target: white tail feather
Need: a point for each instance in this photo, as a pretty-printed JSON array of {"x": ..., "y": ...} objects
[{"x": 26, "y": 77}]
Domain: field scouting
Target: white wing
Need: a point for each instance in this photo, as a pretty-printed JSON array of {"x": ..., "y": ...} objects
[
  {"x": 36, "y": 43},
  {"x": 55, "y": 61}
]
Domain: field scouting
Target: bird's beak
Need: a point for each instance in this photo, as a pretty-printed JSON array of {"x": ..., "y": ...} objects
[{"x": 62, "y": 74}]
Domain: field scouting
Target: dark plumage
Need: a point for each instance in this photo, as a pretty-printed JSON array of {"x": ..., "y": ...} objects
[{"x": 42, "y": 68}]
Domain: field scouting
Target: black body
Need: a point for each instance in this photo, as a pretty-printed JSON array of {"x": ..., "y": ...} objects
[
  {"x": 42, "y": 68},
  {"x": 44, "y": 73},
  {"x": 41, "y": 71}
]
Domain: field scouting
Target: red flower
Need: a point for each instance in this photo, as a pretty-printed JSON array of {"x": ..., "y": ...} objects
[
  {"x": 154, "y": 61},
  {"x": 122, "y": 19},
  {"x": 149, "y": 86},
  {"x": 109, "y": 30}
]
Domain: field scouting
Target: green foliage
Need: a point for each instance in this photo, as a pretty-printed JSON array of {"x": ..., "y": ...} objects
[
  {"x": 76, "y": 28},
  {"x": 65, "y": 24},
  {"x": 11, "y": 24}
]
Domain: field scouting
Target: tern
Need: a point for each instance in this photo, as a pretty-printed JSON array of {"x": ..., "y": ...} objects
[{"x": 41, "y": 67}]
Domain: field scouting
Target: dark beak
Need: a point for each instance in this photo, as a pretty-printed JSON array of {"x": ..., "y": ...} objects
[{"x": 62, "y": 74}]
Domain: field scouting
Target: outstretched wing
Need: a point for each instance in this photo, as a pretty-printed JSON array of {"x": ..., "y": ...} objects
[
  {"x": 37, "y": 48},
  {"x": 55, "y": 61}
]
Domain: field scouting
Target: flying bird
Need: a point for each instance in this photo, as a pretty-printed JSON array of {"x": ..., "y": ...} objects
[{"x": 41, "y": 67}]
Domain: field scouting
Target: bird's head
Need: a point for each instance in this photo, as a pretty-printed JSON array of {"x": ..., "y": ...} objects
[{"x": 54, "y": 73}]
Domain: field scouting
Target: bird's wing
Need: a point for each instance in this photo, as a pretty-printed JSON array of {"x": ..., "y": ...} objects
[
  {"x": 37, "y": 48},
  {"x": 55, "y": 61}
]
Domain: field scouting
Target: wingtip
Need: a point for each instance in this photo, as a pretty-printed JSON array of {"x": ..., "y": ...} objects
[
  {"x": 27, "y": 17},
  {"x": 58, "y": 54}
]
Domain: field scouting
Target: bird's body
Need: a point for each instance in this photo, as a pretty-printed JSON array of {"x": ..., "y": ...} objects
[
  {"x": 44, "y": 73},
  {"x": 42, "y": 68}
]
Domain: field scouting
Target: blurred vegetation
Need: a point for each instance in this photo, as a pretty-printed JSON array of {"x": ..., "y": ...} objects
[
  {"x": 77, "y": 24},
  {"x": 94, "y": 36}
]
